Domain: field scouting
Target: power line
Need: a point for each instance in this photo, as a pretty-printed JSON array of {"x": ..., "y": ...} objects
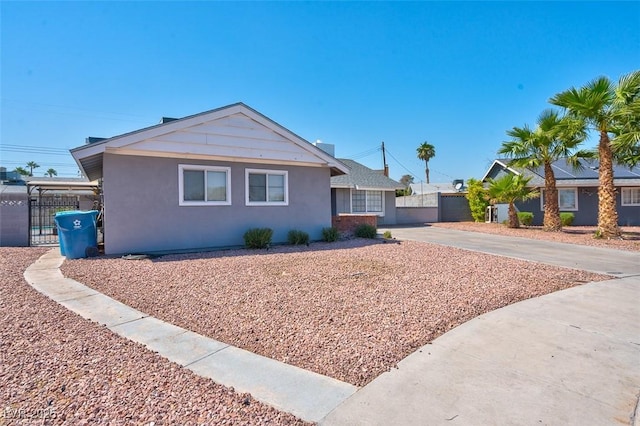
[
  {"x": 412, "y": 173},
  {"x": 400, "y": 164},
  {"x": 363, "y": 154},
  {"x": 43, "y": 148}
]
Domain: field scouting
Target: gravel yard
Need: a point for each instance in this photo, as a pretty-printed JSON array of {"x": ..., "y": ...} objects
[
  {"x": 57, "y": 368},
  {"x": 350, "y": 310}
]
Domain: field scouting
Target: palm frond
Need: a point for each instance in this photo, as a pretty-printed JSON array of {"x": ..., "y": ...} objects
[{"x": 628, "y": 86}]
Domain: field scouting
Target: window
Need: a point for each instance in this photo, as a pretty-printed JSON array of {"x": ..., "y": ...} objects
[
  {"x": 204, "y": 185},
  {"x": 266, "y": 187},
  {"x": 366, "y": 201},
  {"x": 567, "y": 199},
  {"x": 631, "y": 196}
]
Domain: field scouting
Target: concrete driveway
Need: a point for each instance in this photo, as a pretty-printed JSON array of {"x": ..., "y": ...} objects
[{"x": 567, "y": 358}]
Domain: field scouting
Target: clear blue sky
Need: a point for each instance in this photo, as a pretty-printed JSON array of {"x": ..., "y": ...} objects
[{"x": 353, "y": 74}]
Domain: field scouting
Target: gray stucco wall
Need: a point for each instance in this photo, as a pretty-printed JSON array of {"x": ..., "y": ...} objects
[
  {"x": 142, "y": 212},
  {"x": 14, "y": 217},
  {"x": 389, "y": 217},
  {"x": 413, "y": 215},
  {"x": 587, "y": 214}
]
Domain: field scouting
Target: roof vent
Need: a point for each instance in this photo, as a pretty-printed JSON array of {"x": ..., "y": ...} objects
[
  {"x": 92, "y": 139},
  {"x": 164, "y": 120}
]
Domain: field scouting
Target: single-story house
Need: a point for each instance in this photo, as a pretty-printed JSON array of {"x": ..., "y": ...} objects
[
  {"x": 202, "y": 181},
  {"x": 364, "y": 191},
  {"x": 578, "y": 190}
]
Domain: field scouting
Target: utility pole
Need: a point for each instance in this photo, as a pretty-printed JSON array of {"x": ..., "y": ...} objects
[{"x": 384, "y": 162}]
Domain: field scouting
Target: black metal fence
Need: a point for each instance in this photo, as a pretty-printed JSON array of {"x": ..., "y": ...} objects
[{"x": 42, "y": 210}]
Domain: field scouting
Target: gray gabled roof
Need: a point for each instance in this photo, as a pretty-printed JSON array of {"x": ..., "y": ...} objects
[
  {"x": 567, "y": 176},
  {"x": 362, "y": 177}
]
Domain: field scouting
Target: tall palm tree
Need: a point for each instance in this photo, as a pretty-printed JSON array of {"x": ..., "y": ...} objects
[
  {"x": 32, "y": 165},
  {"x": 51, "y": 173},
  {"x": 554, "y": 138},
  {"x": 605, "y": 107},
  {"x": 509, "y": 189},
  {"x": 426, "y": 152}
]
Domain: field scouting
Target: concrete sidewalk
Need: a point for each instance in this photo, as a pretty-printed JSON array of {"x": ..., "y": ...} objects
[
  {"x": 303, "y": 393},
  {"x": 567, "y": 358}
]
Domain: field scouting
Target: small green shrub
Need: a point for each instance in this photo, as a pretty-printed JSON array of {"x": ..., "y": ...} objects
[
  {"x": 330, "y": 234},
  {"x": 387, "y": 234},
  {"x": 366, "y": 231},
  {"x": 258, "y": 238},
  {"x": 525, "y": 218},
  {"x": 296, "y": 237},
  {"x": 567, "y": 218}
]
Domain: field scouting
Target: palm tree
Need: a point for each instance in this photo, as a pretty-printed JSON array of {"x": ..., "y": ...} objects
[
  {"x": 32, "y": 165},
  {"x": 51, "y": 173},
  {"x": 509, "y": 189},
  {"x": 606, "y": 108},
  {"x": 554, "y": 138},
  {"x": 22, "y": 171},
  {"x": 426, "y": 152}
]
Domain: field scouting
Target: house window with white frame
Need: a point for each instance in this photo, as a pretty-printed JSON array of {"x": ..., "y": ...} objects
[
  {"x": 366, "y": 201},
  {"x": 204, "y": 185},
  {"x": 630, "y": 196},
  {"x": 266, "y": 187},
  {"x": 567, "y": 199}
]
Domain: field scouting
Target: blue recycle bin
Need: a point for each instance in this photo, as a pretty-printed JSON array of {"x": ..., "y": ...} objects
[{"x": 77, "y": 232}]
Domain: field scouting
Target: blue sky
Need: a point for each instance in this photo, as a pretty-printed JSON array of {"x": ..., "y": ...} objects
[{"x": 354, "y": 74}]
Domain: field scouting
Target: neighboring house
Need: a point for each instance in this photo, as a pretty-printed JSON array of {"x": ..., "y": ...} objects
[
  {"x": 202, "y": 181},
  {"x": 364, "y": 191},
  {"x": 578, "y": 191}
]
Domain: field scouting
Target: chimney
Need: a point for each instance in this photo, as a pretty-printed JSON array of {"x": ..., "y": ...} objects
[
  {"x": 329, "y": 148},
  {"x": 386, "y": 170}
]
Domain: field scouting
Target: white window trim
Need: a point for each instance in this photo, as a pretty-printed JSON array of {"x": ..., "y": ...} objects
[
  {"x": 575, "y": 191},
  {"x": 381, "y": 213},
  {"x": 183, "y": 167},
  {"x": 630, "y": 188},
  {"x": 284, "y": 173}
]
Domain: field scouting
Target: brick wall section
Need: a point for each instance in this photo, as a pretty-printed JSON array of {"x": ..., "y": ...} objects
[{"x": 347, "y": 223}]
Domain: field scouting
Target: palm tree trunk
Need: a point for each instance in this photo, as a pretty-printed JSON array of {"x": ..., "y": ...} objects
[
  {"x": 552, "y": 220},
  {"x": 427, "y": 170},
  {"x": 514, "y": 222},
  {"x": 607, "y": 212}
]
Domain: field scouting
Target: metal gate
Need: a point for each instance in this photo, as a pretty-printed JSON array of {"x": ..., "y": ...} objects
[{"x": 42, "y": 210}]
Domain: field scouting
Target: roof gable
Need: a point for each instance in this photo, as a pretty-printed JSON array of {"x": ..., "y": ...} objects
[{"x": 232, "y": 133}]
